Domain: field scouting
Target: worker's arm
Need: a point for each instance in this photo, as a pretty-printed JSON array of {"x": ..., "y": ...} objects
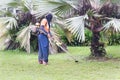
[
  {"x": 43, "y": 22},
  {"x": 46, "y": 26}
]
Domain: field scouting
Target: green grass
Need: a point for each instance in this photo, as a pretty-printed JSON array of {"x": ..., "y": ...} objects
[{"x": 17, "y": 65}]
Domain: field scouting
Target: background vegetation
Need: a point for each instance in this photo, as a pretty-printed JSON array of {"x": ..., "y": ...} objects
[
  {"x": 107, "y": 38},
  {"x": 18, "y": 17}
]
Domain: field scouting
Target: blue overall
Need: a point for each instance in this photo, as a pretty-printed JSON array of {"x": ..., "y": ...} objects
[
  {"x": 43, "y": 45},
  {"x": 43, "y": 41}
]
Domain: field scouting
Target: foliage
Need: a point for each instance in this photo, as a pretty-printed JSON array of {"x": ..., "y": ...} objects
[
  {"x": 18, "y": 26},
  {"x": 112, "y": 39},
  {"x": 81, "y": 14},
  {"x": 72, "y": 16},
  {"x": 75, "y": 42},
  {"x": 25, "y": 42},
  {"x": 108, "y": 38}
]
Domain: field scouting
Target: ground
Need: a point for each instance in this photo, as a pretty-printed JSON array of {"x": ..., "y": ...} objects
[{"x": 18, "y": 65}]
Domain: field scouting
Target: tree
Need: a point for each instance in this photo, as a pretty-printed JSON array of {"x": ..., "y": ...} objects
[
  {"x": 96, "y": 15},
  {"x": 16, "y": 25},
  {"x": 14, "y": 21}
]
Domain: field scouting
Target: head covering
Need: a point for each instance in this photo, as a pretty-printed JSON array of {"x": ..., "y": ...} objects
[{"x": 49, "y": 18}]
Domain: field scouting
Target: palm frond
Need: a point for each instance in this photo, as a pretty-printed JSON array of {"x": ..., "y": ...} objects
[
  {"x": 109, "y": 9},
  {"x": 53, "y": 47},
  {"x": 24, "y": 38},
  {"x": 95, "y": 3},
  {"x": 3, "y": 35},
  {"x": 45, "y": 6},
  {"x": 9, "y": 22},
  {"x": 29, "y": 5},
  {"x": 68, "y": 35},
  {"x": 61, "y": 24},
  {"x": 20, "y": 4},
  {"x": 14, "y": 4},
  {"x": 60, "y": 7},
  {"x": 114, "y": 25},
  {"x": 2, "y": 42},
  {"x": 66, "y": 9},
  {"x": 76, "y": 26},
  {"x": 56, "y": 42},
  {"x": 3, "y": 30}
]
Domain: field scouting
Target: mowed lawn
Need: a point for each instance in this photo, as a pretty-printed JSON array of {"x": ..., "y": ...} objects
[{"x": 18, "y": 65}]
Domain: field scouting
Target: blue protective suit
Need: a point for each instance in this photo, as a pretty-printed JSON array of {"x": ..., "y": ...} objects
[{"x": 43, "y": 45}]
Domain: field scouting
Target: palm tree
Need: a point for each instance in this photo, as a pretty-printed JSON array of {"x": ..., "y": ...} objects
[
  {"x": 96, "y": 15},
  {"x": 16, "y": 25},
  {"x": 11, "y": 24}
]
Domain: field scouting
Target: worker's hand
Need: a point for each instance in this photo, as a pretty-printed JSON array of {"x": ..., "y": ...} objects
[
  {"x": 32, "y": 28},
  {"x": 49, "y": 36}
]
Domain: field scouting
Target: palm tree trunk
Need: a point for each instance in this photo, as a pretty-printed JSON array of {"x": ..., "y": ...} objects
[{"x": 97, "y": 48}]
